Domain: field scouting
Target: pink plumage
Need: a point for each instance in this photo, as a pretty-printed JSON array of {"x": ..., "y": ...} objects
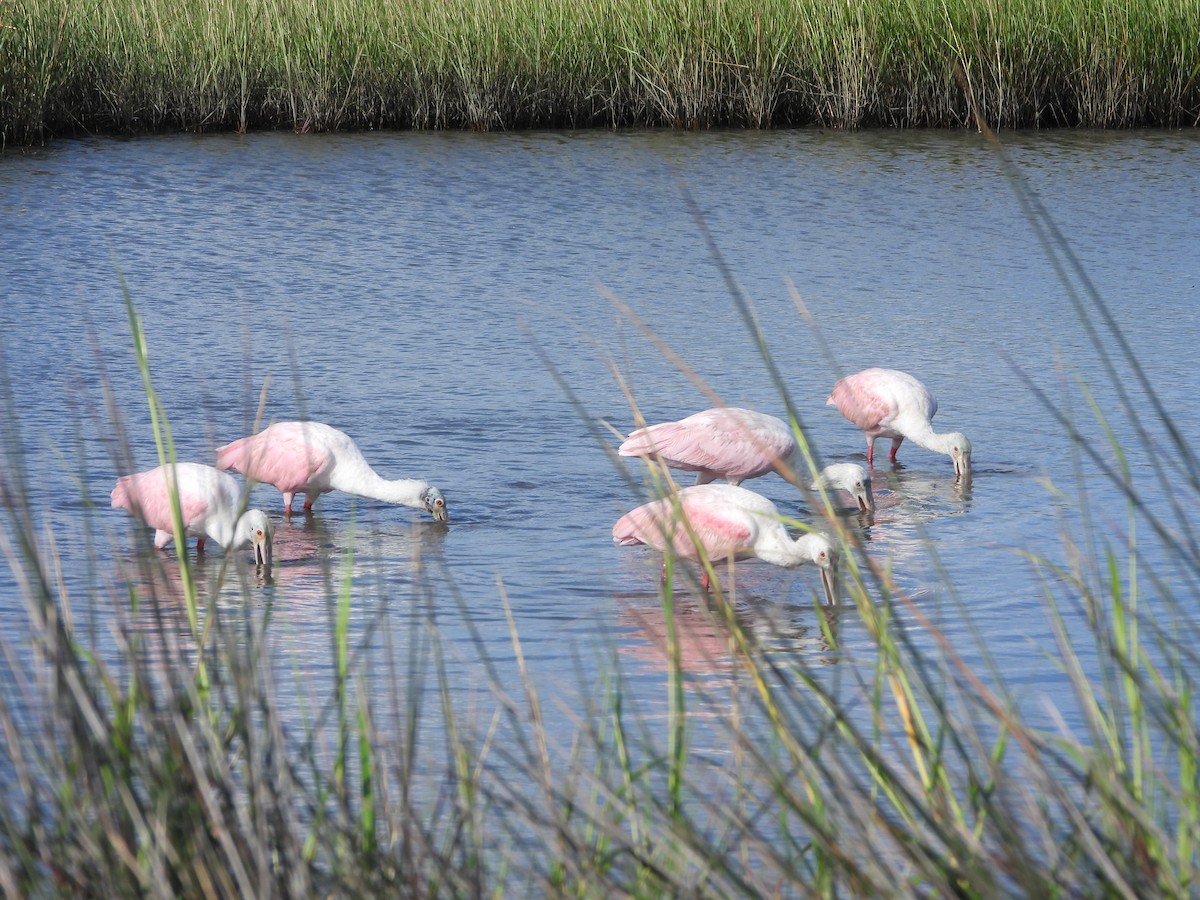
[
  {"x": 146, "y": 494},
  {"x": 286, "y": 455},
  {"x": 892, "y": 404},
  {"x": 725, "y": 442},
  {"x": 660, "y": 524},
  {"x": 210, "y": 505},
  {"x": 719, "y": 521},
  {"x": 314, "y": 458}
]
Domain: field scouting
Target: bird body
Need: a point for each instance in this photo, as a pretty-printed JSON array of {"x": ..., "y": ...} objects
[
  {"x": 724, "y": 442},
  {"x": 209, "y": 501},
  {"x": 736, "y": 445},
  {"x": 724, "y": 520},
  {"x": 313, "y": 458},
  {"x": 893, "y": 404}
]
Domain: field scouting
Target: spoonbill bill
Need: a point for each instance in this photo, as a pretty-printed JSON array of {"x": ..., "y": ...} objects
[
  {"x": 313, "y": 458},
  {"x": 893, "y": 404},
  {"x": 209, "y": 500},
  {"x": 724, "y": 520}
]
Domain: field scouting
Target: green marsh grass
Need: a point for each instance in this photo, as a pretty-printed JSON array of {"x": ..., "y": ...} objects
[
  {"x": 170, "y": 767},
  {"x": 125, "y": 66}
]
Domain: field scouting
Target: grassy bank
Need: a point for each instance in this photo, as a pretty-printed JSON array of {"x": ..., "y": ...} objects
[{"x": 69, "y": 66}]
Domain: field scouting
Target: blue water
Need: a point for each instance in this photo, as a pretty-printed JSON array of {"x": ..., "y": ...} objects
[{"x": 460, "y": 304}]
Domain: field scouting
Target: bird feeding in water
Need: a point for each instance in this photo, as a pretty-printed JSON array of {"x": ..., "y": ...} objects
[
  {"x": 313, "y": 458},
  {"x": 719, "y": 521},
  {"x": 851, "y": 478},
  {"x": 892, "y": 404},
  {"x": 734, "y": 444},
  {"x": 209, "y": 502}
]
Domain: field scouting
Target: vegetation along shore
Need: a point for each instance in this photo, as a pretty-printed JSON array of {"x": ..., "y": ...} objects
[{"x": 127, "y": 66}]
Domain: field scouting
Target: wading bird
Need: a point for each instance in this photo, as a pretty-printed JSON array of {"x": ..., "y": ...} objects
[
  {"x": 851, "y": 478},
  {"x": 720, "y": 521},
  {"x": 736, "y": 445},
  {"x": 208, "y": 500},
  {"x": 892, "y": 404},
  {"x": 313, "y": 458}
]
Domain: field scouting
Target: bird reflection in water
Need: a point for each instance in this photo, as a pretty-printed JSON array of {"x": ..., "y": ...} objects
[
  {"x": 309, "y": 554},
  {"x": 708, "y": 647},
  {"x": 151, "y": 600},
  {"x": 919, "y": 496}
]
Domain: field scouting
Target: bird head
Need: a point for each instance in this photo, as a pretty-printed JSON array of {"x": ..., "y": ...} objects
[
  {"x": 825, "y": 558},
  {"x": 436, "y": 504},
  {"x": 960, "y": 452},
  {"x": 864, "y": 495},
  {"x": 853, "y": 479},
  {"x": 255, "y": 528}
]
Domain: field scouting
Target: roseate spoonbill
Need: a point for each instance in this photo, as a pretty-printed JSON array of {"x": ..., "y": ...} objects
[
  {"x": 734, "y": 444},
  {"x": 724, "y": 520},
  {"x": 851, "y": 478},
  {"x": 315, "y": 458},
  {"x": 209, "y": 501},
  {"x": 892, "y": 404}
]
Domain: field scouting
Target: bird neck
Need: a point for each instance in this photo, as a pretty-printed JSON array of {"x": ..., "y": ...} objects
[
  {"x": 798, "y": 463},
  {"x": 920, "y": 432},
  {"x": 223, "y": 528},
  {"x": 780, "y": 550},
  {"x": 402, "y": 491}
]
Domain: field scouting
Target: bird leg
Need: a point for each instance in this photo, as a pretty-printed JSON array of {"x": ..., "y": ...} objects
[
  {"x": 870, "y": 450},
  {"x": 309, "y": 500},
  {"x": 161, "y": 538},
  {"x": 200, "y": 546},
  {"x": 287, "y": 502},
  {"x": 896, "y": 442}
]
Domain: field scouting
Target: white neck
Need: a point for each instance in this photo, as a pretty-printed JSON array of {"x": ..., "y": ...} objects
[
  {"x": 778, "y": 549},
  {"x": 798, "y": 464},
  {"x": 920, "y": 433},
  {"x": 403, "y": 491},
  {"x": 223, "y": 528}
]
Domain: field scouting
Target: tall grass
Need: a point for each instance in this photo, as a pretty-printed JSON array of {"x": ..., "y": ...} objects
[
  {"x": 169, "y": 766},
  {"x": 70, "y": 66}
]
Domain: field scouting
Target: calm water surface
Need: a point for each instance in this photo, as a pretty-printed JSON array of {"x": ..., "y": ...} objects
[{"x": 437, "y": 296}]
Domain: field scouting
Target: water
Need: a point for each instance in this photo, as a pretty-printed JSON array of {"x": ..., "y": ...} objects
[{"x": 448, "y": 300}]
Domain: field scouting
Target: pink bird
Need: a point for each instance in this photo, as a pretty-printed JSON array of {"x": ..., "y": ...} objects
[
  {"x": 736, "y": 445},
  {"x": 210, "y": 502},
  {"x": 314, "y": 458},
  {"x": 720, "y": 521},
  {"x": 892, "y": 404}
]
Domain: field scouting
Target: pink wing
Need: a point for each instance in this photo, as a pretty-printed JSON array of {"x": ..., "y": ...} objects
[
  {"x": 727, "y": 441},
  {"x": 859, "y": 399},
  {"x": 656, "y": 524},
  {"x": 145, "y": 495},
  {"x": 279, "y": 456}
]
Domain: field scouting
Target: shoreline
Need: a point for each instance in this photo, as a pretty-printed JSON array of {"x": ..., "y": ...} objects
[{"x": 145, "y": 67}]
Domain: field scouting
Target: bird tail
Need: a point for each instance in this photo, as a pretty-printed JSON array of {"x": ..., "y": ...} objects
[
  {"x": 121, "y": 496},
  {"x": 232, "y": 456},
  {"x": 648, "y": 441}
]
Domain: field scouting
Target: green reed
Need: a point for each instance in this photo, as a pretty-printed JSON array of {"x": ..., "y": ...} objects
[{"x": 69, "y": 66}]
